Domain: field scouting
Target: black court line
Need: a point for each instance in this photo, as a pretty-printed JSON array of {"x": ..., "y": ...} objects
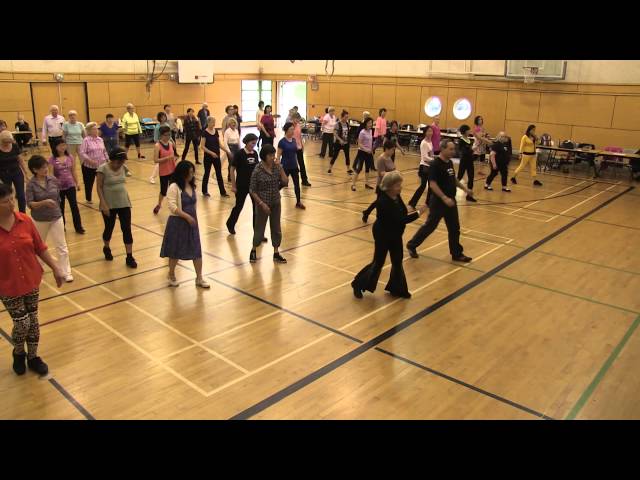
[
  {"x": 71, "y": 400},
  {"x": 57, "y": 386},
  {"x": 330, "y": 367},
  {"x": 465, "y": 384}
]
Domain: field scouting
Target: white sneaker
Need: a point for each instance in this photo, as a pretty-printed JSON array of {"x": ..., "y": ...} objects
[
  {"x": 173, "y": 282},
  {"x": 152, "y": 180},
  {"x": 202, "y": 284},
  {"x": 68, "y": 278}
]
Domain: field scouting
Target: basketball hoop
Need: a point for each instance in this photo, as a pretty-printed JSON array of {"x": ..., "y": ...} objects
[{"x": 530, "y": 74}]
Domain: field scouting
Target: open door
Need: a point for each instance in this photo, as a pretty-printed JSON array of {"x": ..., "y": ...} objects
[{"x": 290, "y": 94}]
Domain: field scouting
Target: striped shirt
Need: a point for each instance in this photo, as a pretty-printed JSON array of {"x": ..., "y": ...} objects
[
  {"x": 92, "y": 152},
  {"x": 52, "y": 127}
]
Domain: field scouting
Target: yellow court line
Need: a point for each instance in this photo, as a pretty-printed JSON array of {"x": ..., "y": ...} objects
[
  {"x": 132, "y": 344},
  {"x": 167, "y": 326},
  {"x": 584, "y": 201}
]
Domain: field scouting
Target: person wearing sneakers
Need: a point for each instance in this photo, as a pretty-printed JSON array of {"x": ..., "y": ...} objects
[
  {"x": 43, "y": 198},
  {"x": 442, "y": 203},
  {"x": 466, "y": 159},
  {"x": 387, "y": 233},
  {"x": 181, "y": 240},
  {"x": 341, "y": 138},
  {"x": 364, "y": 155},
  {"x": 164, "y": 155},
  {"x": 328, "y": 127},
  {"x": 115, "y": 202},
  {"x": 287, "y": 157},
  {"x": 132, "y": 129},
  {"x": 266, "y": 181},
  {"x": 385, "y": 164},
  {"x": 499, "y": 160},
  {"x": 528, "y": 155},
  {"x": 20, "y": 245}
]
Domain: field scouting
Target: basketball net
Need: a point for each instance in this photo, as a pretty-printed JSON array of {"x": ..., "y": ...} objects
[{"x": 530, "y": 74}]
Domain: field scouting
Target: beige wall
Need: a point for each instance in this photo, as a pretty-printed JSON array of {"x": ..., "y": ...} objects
[{"x": 600, "y": 114}]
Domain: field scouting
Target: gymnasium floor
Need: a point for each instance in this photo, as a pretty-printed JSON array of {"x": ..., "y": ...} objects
[{"x": 541, "y": 325}]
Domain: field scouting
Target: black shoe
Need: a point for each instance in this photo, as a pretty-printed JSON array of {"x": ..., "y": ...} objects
[
  {"x": 279, "y": 258},
  {"x": 350, "y": 172},
  {"x": 206, "y": 194},
  {"x": 81, "y": 231},
  {"x": 232, "y": 230},
  {"x": 198, "y": 163},
  {"x": 306, "y": 184},
  {"x": 107, "y": 253},
  {"x": 400, "y": 295},
  {"x": 471, "y": 199},
  {"x": 506, "y": 189},
  {"x": 329, "y": 171},
  {"x": 356, "y": 291},
  {"x": 513, "y": 180},
  {"x": 366, "y": 185},
  {"x": 461, "y": 258},
  {"x": 365, "y": 217},
  {"x": 537, "y": 183},
  {"x": 412, "y": 251},
  {"x": 37, "y": 365},
  {"x": 488, "y": 187},
  {"x": 253, "y": 257},
  {"x": 225, "y": 195},
  {"x": 265, "y": 240},
  {"x": 131, "y": 262},
  {"x": 19, "y": 363}
]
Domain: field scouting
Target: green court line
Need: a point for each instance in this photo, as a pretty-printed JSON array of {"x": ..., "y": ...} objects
[
  {"x": 590, "y": 300},
  {"x": 602, "y": 372},
  {"x": 589, "y": 263}
]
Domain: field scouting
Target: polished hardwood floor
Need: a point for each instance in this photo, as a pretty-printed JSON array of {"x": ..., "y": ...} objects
[{"x": 542, "y": 324}]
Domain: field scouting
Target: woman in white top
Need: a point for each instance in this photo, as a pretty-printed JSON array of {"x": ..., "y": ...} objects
[
  {"x": 181, "y": 239},
  {"x": 426, "y": 157},
  {"x": 328, "y": 127},
  {"x": 231, "y": 138}
]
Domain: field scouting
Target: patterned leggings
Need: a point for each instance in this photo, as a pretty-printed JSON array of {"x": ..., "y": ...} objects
[{"x": 24, "y": 313}]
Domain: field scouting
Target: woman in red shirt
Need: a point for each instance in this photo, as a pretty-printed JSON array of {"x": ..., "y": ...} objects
[
  {"x": 20, "y": 244},
  {"x": 267, "y": 127}
]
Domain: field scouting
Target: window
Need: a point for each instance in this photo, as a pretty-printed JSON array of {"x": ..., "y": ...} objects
[
  {"x": 252, "y": 92},
  {"x": 462, "y": 109},
  {"x": 433, "y": 106}
]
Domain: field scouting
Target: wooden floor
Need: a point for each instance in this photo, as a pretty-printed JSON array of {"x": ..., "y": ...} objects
[{"x": 542, "y": 324}]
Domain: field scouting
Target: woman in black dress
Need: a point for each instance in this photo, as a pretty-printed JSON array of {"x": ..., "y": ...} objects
[
  {"x": 211, "y": 147},
  {"x": 387, "y": 233}
]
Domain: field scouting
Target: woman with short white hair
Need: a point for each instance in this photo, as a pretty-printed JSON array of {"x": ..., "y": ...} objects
[
  {"x": 73, "y": 134},
  {"x": 387, "y": 234}
]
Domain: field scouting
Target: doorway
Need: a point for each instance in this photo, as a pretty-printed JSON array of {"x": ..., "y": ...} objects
[
  {"x": 292, "y": 94},
  {"x": 68, "y": 96}
]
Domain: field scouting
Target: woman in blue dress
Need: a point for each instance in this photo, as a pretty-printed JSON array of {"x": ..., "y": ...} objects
[{"x": 181, "y": 236}]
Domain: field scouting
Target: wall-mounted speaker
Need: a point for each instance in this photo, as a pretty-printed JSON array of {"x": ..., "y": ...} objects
[{"x": 58, "y": 77}]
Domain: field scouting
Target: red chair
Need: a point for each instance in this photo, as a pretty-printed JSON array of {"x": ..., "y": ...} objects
[{"x": 613, "y": 161}]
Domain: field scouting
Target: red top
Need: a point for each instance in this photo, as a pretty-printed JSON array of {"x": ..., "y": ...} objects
[
  {"x": 21, "y": 272},
  {"x": 267, "y": 122}
]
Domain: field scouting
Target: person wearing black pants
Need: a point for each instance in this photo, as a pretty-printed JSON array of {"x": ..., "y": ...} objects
[
  {"x": 211, "y": 147},
  {"x": 192, "y": 134},
  {"x": 297, "y": 135},
  {"x": 466, "y": 159},
  {"x": 341, "y": 141},
  {"x": 70, "y": 195},
  {"x": 88, "y": 179},
  {"x": 426, "y": 157},
  {"x": 328, "y": 128},
  {"x": 442, "y": 204},
  {"x": 387, "y": 234},
  {"x": 287, "y": 157},
  {"x": 242, "y": 165},
  {"x": 499, "y": 160},
  {"x": 12, "y": 168}
]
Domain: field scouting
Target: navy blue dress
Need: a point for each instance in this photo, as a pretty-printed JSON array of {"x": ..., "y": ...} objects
[{"x": 181, "y": 240}]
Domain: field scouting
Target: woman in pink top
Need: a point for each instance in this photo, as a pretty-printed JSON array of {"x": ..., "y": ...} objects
[
  {"x": 297, "y": 134},
  {"x": 364, "y": 155},
  {"x": 480, "y": 141},
  {"x": 62, "y": 166},
  {"x": 165, "y": 156},
  {"x": 93, "y": 154},
  {"x": 435, "y": 139},
  {"x": 381, "y": 129}
]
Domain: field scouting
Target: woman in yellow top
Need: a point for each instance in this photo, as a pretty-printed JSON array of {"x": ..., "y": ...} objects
[
  {"x": 132, "y": 129},
  {"x": 528, "y": 155}
]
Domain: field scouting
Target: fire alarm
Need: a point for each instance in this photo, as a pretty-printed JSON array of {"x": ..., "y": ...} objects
[{"x": 58, "y": 77}]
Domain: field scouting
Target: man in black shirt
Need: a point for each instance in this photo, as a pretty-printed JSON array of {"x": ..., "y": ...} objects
[
  {"x": 242, "y": 165},
  {"x": 443, "y": 184}
]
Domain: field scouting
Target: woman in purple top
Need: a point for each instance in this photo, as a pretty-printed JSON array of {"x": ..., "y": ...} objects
[
  {"x": 287, "y": 155},
  {"x": 365, "y": 155},
  {"x": 109, "y": 132},
  {"x": 267, "y": 127},
  {"x": 62, "y": 166}
]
